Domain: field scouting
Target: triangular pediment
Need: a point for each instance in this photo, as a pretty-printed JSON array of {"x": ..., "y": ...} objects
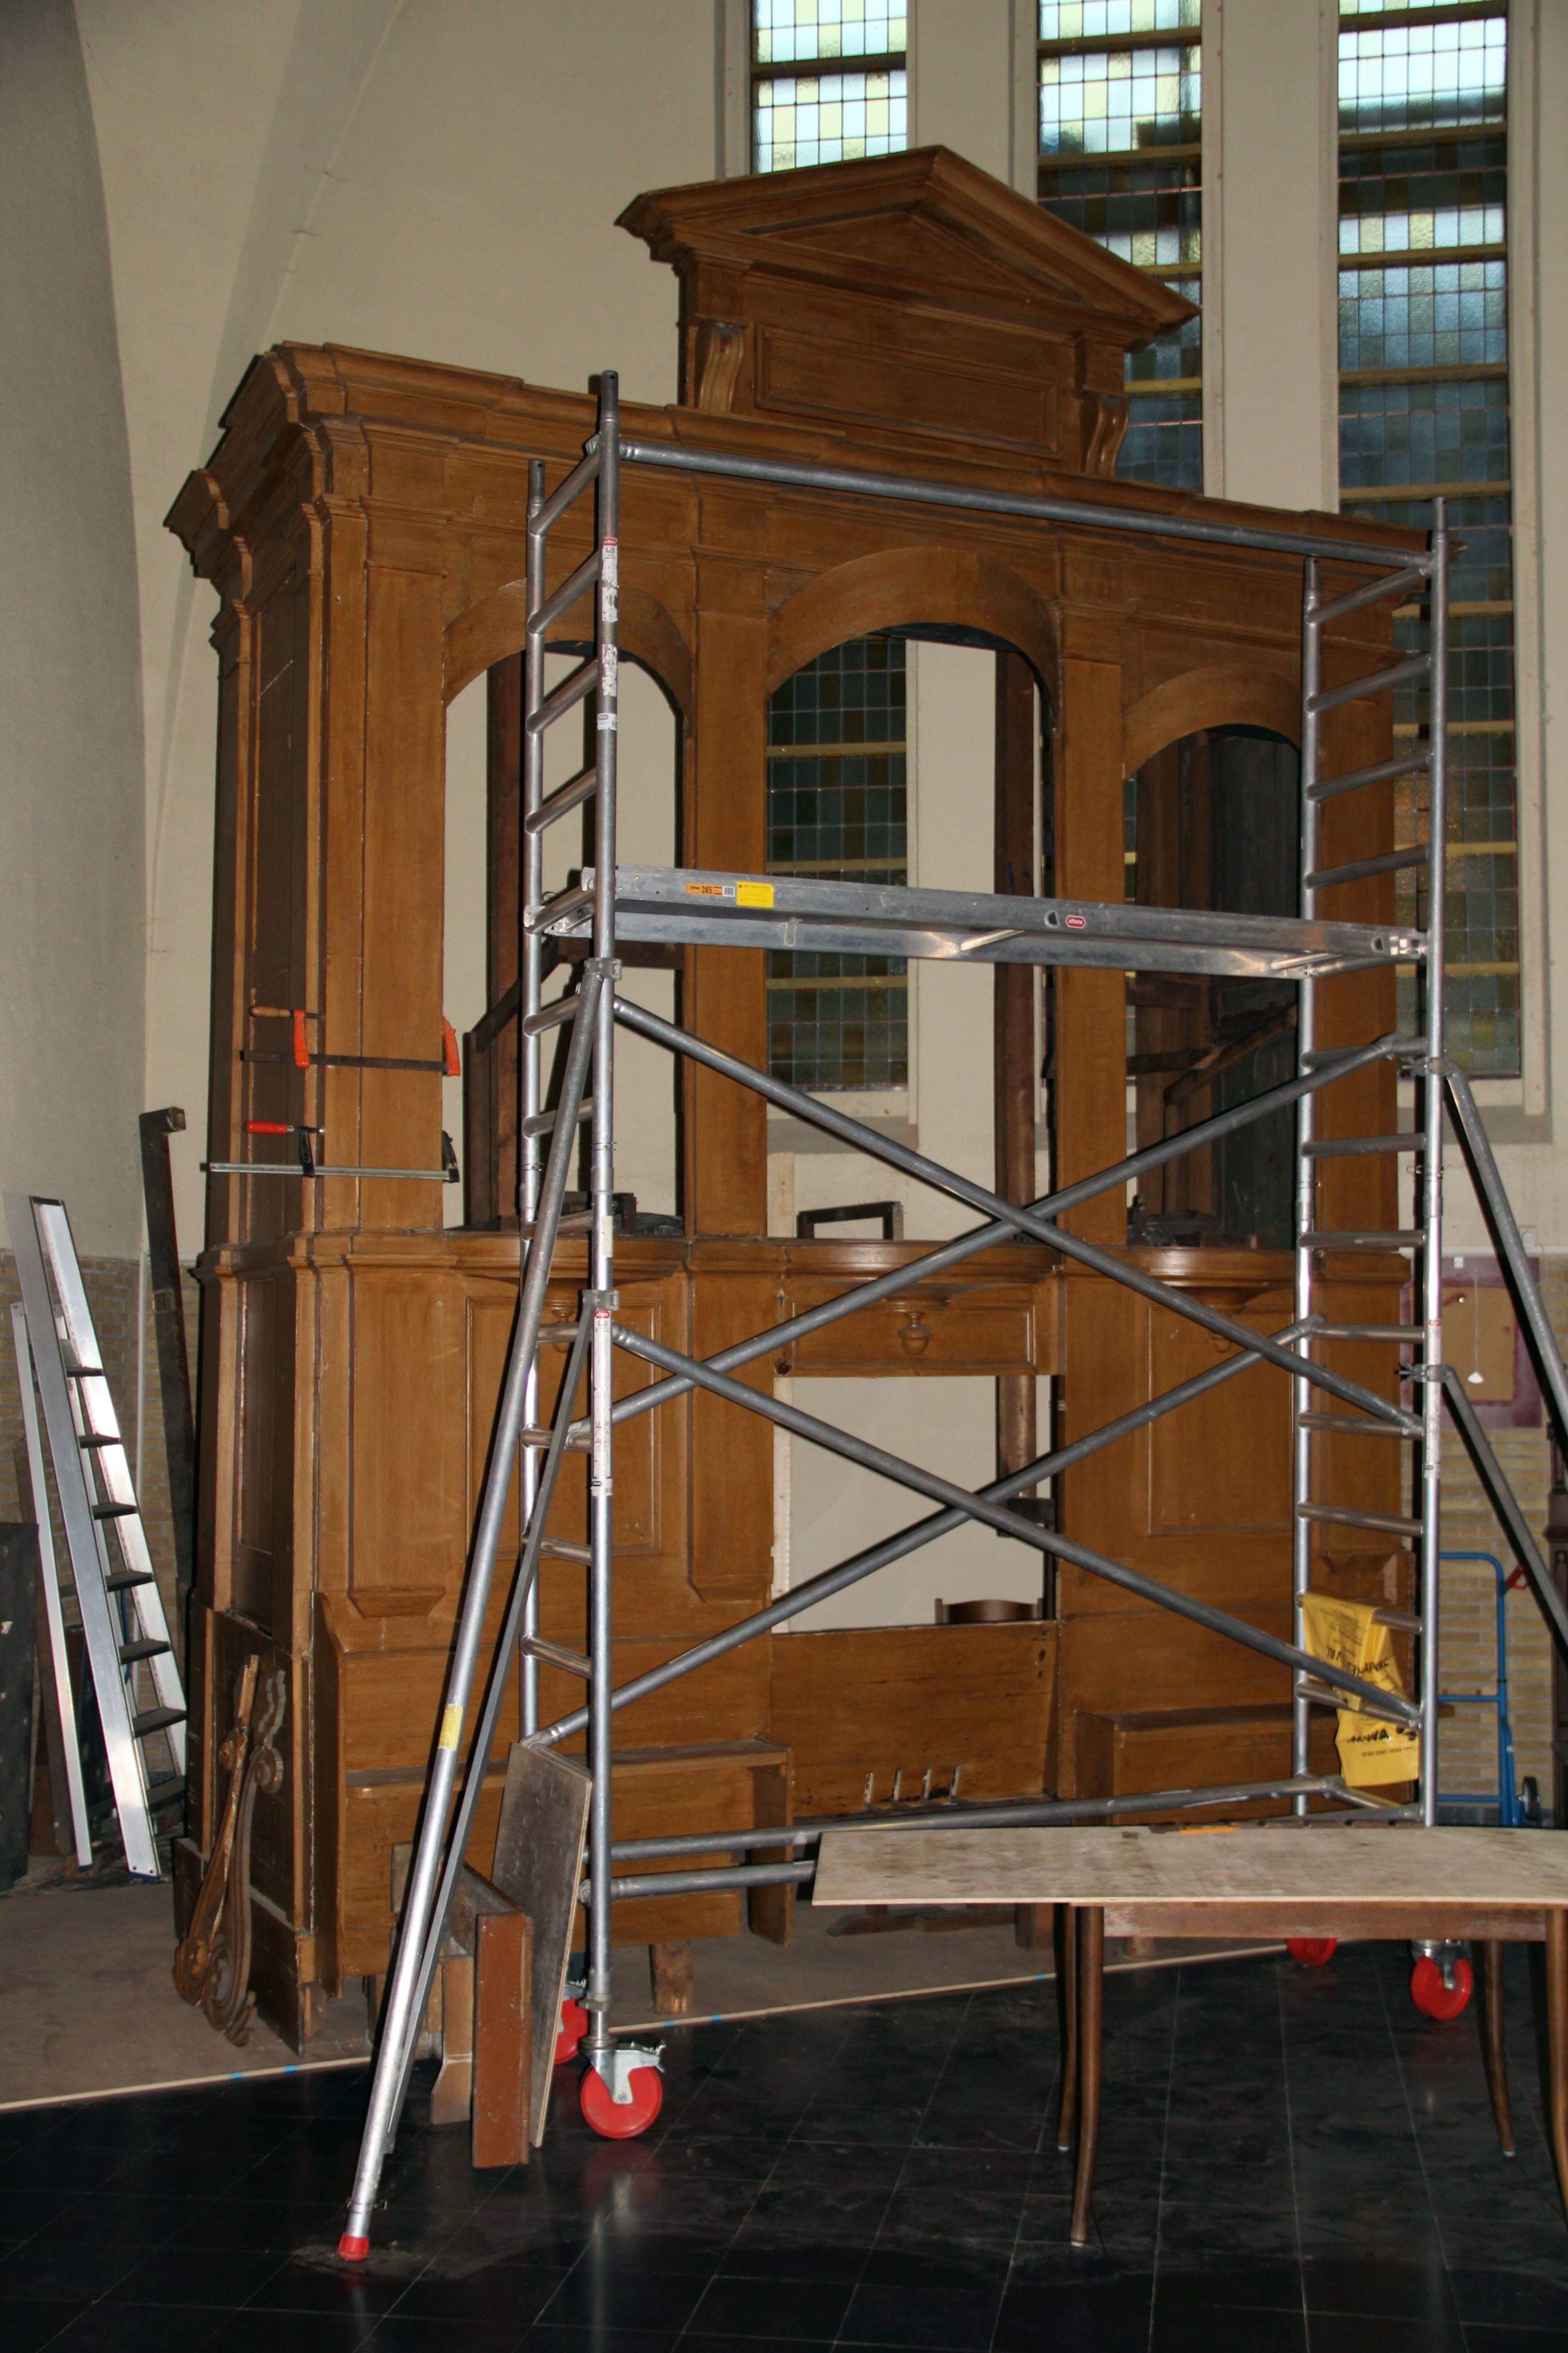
[{"x": 926, "y": 227}]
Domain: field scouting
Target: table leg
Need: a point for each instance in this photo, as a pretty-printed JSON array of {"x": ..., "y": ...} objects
[
  {"x": 1557, "y": 2029},
  {"x": 1490, "y": 1952},
  {"x": 1067, "y": 2004},
  {"x": 1092, "y": 2018}
]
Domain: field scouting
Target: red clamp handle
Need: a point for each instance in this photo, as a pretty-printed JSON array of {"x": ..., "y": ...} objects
[
  {"x": 451, "y": 1064},
  {"x": 268, "y": 1127}
]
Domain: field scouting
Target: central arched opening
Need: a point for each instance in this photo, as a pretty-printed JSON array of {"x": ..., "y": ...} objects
[{"x": 1213, "y": 824}]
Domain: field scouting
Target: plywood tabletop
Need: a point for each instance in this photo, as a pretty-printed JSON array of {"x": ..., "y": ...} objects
[{"x": 1252, "y": 1864}]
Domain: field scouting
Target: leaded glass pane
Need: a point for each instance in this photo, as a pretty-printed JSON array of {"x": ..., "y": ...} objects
[
  {"x": 1423, "y": 410},
  {"x": 1121, "y": 159},
  {"x": 827, "y": 117},
  {"x": 837, "y": 809}
]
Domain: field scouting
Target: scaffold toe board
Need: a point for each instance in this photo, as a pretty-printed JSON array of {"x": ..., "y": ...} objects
[{"x": 683, "y": 905}]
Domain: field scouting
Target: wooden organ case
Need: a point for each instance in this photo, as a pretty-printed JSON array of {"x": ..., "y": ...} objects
[{"x": 362, "y": 521}]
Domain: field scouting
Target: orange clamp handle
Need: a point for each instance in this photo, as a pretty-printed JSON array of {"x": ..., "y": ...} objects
[
  {"x": 301, "y": 1051},
  {"x": 268, "y": 1127},
  {"x": 450, "y": 1063}
]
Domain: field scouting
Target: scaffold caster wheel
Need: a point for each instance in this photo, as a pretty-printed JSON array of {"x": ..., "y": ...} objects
[
  {"x": 1434, "y": 1998},
  {"x": 641, "y": 2087},
  {"x": 573, "y": 2026},
  {"x": 1312, "y": 1952}
]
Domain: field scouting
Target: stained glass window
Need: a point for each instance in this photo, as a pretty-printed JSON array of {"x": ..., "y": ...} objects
[
  {"x": 1120, "y": 158},
  {"x": 837, "y": 809},
  {"x": 828, "y": 81},
  {"x": 1424, "y": 411}
]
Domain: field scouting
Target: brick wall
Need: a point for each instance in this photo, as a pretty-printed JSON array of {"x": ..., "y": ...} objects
[{"x": 112, "y": 1291}]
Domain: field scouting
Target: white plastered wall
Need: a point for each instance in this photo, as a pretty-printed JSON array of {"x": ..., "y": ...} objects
[
  {"x": 71, "y": 720},
  {"x": 400, "y": 174}
]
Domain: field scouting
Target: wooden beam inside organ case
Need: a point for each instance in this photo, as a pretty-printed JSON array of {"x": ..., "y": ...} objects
[{"x": 363, "y": 520}]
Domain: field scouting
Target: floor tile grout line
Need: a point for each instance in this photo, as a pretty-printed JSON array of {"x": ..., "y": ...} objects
[
  {"x": 1432, "y": 2206},
  {"x": 1164, "y": 2147},
  {"x": 1290, "y": 2144},
  {"x": 1034, "y": 2155}
]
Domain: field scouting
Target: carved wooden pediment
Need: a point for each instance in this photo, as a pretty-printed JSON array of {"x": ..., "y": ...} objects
[{"x": 912, "y": 296}]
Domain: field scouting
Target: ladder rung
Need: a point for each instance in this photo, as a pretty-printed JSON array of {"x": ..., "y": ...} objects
[
  {"x": 1375, "y": 592},
  {"x": 572, "y": 689},
  {"x": 557, "y": 1548},
  {"x": 1388, "y": 862},
  {"x": 551, "y": 1016},
  {"x": 1354, "y": 1425},
  {"x": 571, "y": 1221},
  {"x": 1341, "y": 1516},
  {"x": 542, "y": 1438},
  {"x": 565, "y": 907},
  {"x": 1382, "y": 772},
  {"x": 1324, "y": 1695},
  {"x": 84, "y": 1372},
  {"x": 1400, "y": 1621},
  {"x": 561, "y": 802},
  {"x": 155, "y": 1719},
  {"x": 133, "y": 1653},
  {"x": 1401, "y": 1335},
  {"x": 1339, "y": 1148},
  {"x": 90, "y": 1438},
  {"x": 1377, "y": 681},
  {"x": 551, "y": 1655},
  {"x": 1313, "y": 1057},
  {"x": 1401, "y": 1238},
  {"x": 123, "y": 1579},
  {"x": 557, "y": 1336},
  {"x": 542, "y": 1121},
  {"x": 168, "y": 1790},
  {"x": 114, "y": 1511}
]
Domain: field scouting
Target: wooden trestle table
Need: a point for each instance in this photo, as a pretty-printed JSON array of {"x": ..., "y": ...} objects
[{"x": 1272, "y": 1881}]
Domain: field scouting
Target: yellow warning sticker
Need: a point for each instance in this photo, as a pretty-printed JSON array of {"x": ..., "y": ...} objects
[
  {"x": 451, "y": 1727},
  {"x": 753, "y": 895}
]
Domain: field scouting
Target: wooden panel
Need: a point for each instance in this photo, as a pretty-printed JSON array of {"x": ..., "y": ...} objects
[
  {"x": 410, "y": 1525},
  {"x": 264, "y": 1370},
  {"x": 503, "y": 2022},
  {"x": 1187, "y": 1748},
  {"x": 983, "y": 1331},
  {"x": 1200, "y": 1482},
  {"x": 875, "y": 1700},
  {"x": 1090, "y": 1106},
  {"x": 810, "y": 375}
]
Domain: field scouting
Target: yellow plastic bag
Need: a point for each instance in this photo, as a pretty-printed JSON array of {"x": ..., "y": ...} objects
[{"x": 1345, "y": 1634}]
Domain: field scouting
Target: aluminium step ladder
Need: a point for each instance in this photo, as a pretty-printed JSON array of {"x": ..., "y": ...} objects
[{"x": 135, "y": 1677}]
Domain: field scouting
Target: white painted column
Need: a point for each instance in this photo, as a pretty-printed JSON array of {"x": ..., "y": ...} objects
[{"x": 1270, "y": 237}]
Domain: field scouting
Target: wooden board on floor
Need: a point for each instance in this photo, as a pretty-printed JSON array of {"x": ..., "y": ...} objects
[
  {"x": 1266, "y": 1863},
  {"x": 539, "y": 1865}
]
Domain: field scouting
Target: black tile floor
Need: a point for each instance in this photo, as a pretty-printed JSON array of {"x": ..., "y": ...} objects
[{"x": 1293, "y": 2161}]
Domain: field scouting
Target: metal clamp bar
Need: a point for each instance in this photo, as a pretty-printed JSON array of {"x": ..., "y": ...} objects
[
  {"x": 975, "y": 1506},
  {"x": 1139, "y": 522},
  {"x": 1338, "y": 1147},
  {"x": 292, "y": 1168},
  {"x": 1377, "y": 681}
]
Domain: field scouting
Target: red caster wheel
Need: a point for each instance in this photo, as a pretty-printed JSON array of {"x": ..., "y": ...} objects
[
  {"x": 1312, "y": 1952},
  {"x": 1432, "y": 1998},
  {"x": 573, "y": 2026},
  {"x": 611, "y": 2119}
]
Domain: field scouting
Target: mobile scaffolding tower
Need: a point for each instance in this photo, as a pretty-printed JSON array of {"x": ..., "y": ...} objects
[{"x": 611, "y": 904}]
